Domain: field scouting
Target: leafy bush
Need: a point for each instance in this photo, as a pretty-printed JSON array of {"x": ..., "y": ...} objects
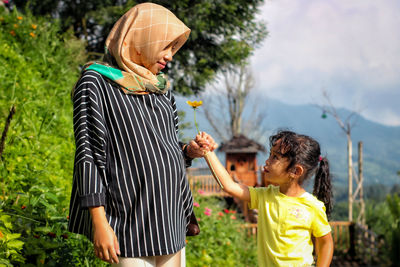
[
  {"x": 222, "y": 240},
  {"x": 383, "y": 218},
  {"x": 38, "y": 68},
  {"x": 394, "y": 206},
  {"x": 41, "y": 228}
]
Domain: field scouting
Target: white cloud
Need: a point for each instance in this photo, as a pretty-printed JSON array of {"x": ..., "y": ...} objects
[{"x": 349, "y": 48}]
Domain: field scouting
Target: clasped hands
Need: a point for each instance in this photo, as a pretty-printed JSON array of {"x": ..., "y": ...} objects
[{"x": 199, "y": 146}]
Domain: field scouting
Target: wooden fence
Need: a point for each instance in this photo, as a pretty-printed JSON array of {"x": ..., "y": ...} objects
[{"x": 201, "y": 180}]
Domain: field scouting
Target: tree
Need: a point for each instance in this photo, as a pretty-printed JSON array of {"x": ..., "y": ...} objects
[
  {"x": 225, "y": 106},
  {"x": 346, "y": 125},
  {"x": 223, "y": 32}
]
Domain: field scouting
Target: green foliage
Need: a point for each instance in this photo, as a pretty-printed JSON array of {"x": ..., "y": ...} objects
[
  {"x": 340, "y": 211},
  {"x": 224, "y": 33},
  {"x": 383, "y": 218},
  {"x": 38, "y": 68},
  {"x": 394, "y": 206},
  {"x": 10, "y": 243},
  {"x": 221, "y": 240},
  {"x": 38, "y": 230}
]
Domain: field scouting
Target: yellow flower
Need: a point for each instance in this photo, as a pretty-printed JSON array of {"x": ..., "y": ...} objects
[
  {"x": 19, "y": 17},
  {"x": 195, "y": 104},
  {"x": 32, "y": 34},
  {"x": 34, "y": 26}
]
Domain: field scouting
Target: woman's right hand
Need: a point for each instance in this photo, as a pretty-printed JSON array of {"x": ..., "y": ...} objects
[
  {"x": 105, "y": 242},
  {"x": 203, "y": 143}
]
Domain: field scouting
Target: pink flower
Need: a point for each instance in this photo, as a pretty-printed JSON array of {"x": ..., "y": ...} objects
[
  {"x": 201, "y": 192},
  {"x": 220, "y": 214},
  {"x": 6, "y": 2},
  {"x": 198, "y": 219},
  {"x": 207, "y": 211},
  {"x": 196, "y": 204},
  {"x": 226, "y": 210},
  {"x": 233, "y": 217}
]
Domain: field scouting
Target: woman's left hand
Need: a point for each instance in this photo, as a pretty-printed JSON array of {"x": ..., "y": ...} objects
[{"x": 202, "y": 144}]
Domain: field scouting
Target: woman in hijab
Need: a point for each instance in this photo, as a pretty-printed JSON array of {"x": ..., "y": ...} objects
[{"x": 130, "y": 194}]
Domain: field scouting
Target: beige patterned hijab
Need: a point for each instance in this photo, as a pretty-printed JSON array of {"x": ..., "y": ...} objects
[{"x": 145, "y": 30}]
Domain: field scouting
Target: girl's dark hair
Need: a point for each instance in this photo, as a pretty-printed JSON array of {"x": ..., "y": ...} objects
[{"x": 305, "y": 151}]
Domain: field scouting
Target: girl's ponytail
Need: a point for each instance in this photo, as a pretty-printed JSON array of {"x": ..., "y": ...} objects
[{"x": 322, "y": 185}]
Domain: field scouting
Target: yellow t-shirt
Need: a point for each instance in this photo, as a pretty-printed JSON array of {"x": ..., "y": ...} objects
[{"x": 285, "y": 226}]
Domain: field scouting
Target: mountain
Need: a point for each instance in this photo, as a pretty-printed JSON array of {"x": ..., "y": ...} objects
[{"x": 381, "y": 143}]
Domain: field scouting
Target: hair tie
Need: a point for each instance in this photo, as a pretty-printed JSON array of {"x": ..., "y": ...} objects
[{"x": 320, "y": 158}]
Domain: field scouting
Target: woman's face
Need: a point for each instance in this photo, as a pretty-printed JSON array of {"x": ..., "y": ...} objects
[{"x": 160, "y": 61}]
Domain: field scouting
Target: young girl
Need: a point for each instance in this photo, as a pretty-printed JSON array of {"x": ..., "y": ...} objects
[
  {"x": 130, "y": 194},
  {"x": 288, "y": 216}
]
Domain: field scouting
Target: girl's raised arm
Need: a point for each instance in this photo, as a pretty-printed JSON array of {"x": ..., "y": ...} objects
[{"x": 231, "y": 187}]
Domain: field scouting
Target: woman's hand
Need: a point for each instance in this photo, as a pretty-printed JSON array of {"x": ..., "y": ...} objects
[
  {"x": 105, "y": 241},
  {"x": 202, "y": 144}
]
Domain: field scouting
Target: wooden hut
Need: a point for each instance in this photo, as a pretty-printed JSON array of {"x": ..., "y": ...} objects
[
  {"x": 241, "y": 163},
  {"x": 241, "y": 159}
]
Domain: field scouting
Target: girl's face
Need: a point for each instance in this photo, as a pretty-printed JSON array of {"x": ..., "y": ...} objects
[
  {"x": 275, "y": 169},
  {"x": 160, "y": 61}
]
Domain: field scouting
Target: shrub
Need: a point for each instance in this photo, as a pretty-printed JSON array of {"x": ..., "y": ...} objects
[
  {"x": 38, "y": 68},
  {"x": 222, "y": 240},
  {"x": 394, "y": 206}
]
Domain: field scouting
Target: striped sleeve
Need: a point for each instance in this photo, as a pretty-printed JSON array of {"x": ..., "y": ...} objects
[
  {"x": 188, "y": 160},
  {"x": 90, "y": 140},
  {"x": 175, "y": 111}
]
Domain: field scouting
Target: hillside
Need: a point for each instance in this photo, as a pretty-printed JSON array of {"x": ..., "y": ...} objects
[{"x": 381, "y": 143}]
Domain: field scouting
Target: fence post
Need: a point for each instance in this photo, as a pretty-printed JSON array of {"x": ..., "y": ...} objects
[{"x": 352, "y": 234}]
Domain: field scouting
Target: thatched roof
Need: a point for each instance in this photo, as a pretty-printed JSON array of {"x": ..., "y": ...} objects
[{"x": 241, "y": 144}]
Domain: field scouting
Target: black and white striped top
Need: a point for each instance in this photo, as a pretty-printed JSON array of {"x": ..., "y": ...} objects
[{"x": 128, "y": 159}]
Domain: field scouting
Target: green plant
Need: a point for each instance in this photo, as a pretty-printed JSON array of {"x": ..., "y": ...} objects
[
  {"x": 36, "y": 231},
  {"x": 382, "y": 219},
  {"x": 394, "y": 206},
  {"x": 10, "y": 243},
  {"x": 222, "y": 240},
  {"x": 38, "y": 68}
]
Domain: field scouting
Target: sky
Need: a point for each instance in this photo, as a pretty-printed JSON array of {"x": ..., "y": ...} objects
[{"x": 347, "y": 48}]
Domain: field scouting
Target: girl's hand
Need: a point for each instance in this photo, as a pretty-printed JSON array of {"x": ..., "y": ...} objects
[
  {"x": 105, "y": 241},
  {"x": 202, "y": 144},
  {"x": 210, "y": 141}
]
